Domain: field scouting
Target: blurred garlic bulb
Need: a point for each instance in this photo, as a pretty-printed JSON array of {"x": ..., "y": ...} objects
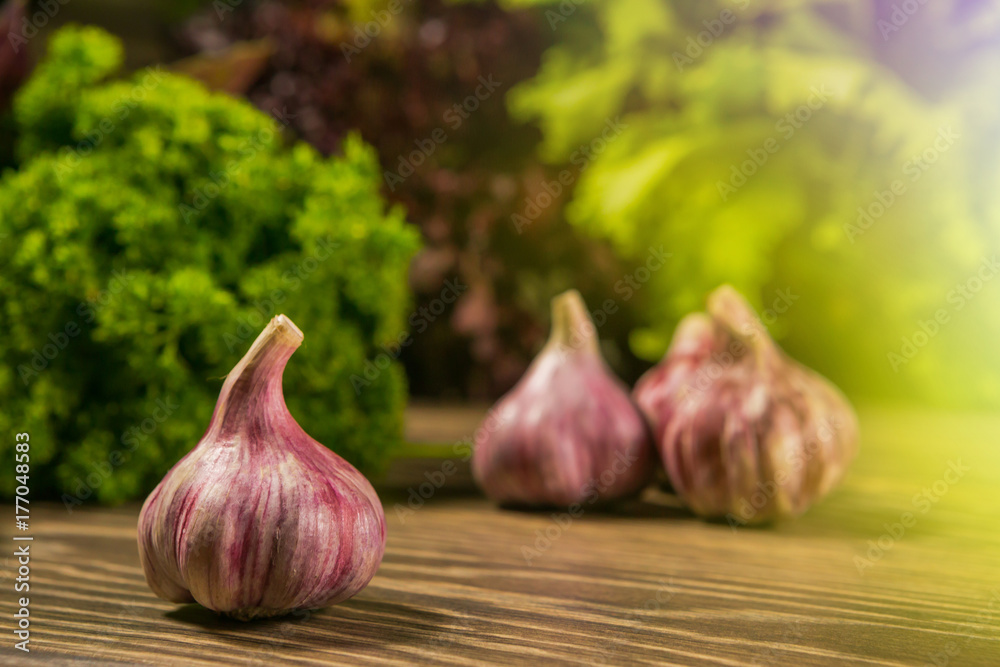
[
  {"x": 568, "y": 432},
  {"x": 259, "y": 519},
  {"x": 745, "y": 432}
]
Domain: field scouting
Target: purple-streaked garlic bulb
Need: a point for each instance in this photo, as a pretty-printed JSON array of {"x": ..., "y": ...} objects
[
  {"x": 568, "y": 432},
  {"x": 745, "y": 432},
  {"x": 259, "y": 519}
]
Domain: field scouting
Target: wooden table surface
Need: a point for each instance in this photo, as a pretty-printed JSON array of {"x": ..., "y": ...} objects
[{"x": 645, "y": 583}]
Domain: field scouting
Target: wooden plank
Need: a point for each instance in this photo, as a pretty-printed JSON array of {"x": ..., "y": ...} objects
[
  {"x": 442, "y": 424},
  {"x": 644, "y": 583}
]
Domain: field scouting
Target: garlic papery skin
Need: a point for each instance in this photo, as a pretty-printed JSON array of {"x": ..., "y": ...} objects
[
  {"x": 568, "y": 432},
  {"x": 259, "y": 519},
  {"x": 745, "y": 432}
]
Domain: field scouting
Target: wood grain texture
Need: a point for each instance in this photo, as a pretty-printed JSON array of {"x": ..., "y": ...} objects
[{"x": 643, "y": 583}]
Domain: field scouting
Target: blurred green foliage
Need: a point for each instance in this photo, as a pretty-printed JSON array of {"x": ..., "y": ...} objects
[
  {"x": 759, "y": 135},
  {"x": 150, "y": 232},
  {"x": 397, "y": 89}
]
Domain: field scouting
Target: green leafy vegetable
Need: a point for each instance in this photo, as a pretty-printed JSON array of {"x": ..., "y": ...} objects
[{"x": 151, "y": 231}]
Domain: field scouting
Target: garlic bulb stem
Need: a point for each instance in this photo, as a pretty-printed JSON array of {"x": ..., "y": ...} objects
[
  {"x": 731, "y": 310},
  {"x": 572, "y": 327},
  {"x": 253, "y": 387}
]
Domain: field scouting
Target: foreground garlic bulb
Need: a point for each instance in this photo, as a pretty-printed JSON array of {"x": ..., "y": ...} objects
[
  {"x": 568, "y": 433},
  {"x": 259, "y": 519},
  {"x": 744, "y": 432}
]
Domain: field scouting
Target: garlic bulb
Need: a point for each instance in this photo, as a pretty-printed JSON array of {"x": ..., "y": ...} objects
[
  {"x": 744, "y": 431},
  {"x": 568, "y": 432},
  {"x": 259, "y": 519}
]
